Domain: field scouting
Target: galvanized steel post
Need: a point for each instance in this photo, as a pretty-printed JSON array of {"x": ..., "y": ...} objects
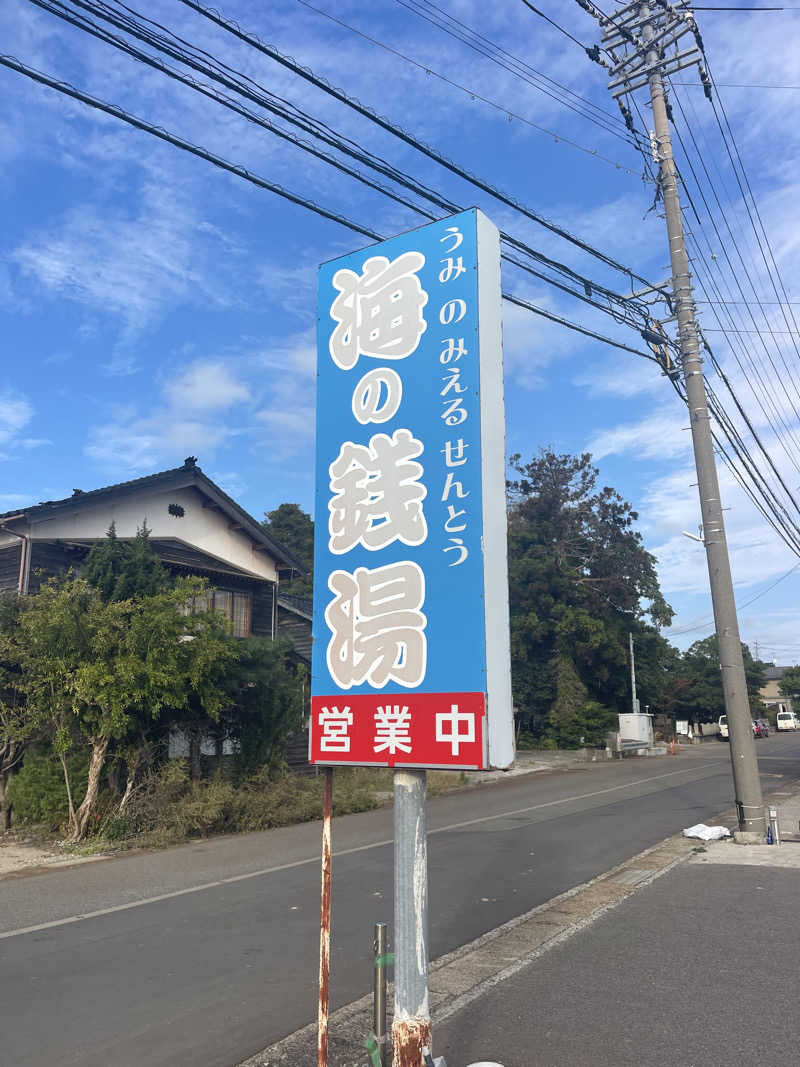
[
  {"x": 325, "y": 920},
  {"x": 411, "y": 1027}
]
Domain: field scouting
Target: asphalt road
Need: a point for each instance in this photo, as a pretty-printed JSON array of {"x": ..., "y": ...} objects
[
  {"x": 697, "y": 970},
  {"x": 205, "y": 954}
]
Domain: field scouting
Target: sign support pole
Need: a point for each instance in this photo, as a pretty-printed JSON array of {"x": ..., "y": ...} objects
[
  {"x": 411, "y": 1027},
  {"x": 325, "y": 920}
]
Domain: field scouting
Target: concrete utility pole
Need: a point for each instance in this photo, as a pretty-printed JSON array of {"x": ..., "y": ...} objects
[
  {"x": 634, "y": 701},
  {"x": 649, "y": 33}
]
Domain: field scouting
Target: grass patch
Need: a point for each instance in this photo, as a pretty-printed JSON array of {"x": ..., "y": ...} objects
[{"x": 167, "y": 808}]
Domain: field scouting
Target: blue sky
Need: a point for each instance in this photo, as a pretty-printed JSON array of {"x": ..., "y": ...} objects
[{"x": 155, "y": 307}]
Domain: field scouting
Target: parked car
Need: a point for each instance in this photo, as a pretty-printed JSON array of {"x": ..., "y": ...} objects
[
  {"x": 722, "y": 722},
  {"x": 786, "y": 721}
]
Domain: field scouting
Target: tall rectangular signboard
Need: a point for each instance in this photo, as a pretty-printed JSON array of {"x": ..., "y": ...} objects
[{"x": 411, "y": 641}]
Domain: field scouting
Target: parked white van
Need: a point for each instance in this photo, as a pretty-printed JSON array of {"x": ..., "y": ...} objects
[
  {"x": 723, "y": 728},
  {"x": 787, "y": 720}
]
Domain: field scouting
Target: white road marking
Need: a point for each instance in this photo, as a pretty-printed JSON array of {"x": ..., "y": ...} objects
[{"x": 343, "y": 852}]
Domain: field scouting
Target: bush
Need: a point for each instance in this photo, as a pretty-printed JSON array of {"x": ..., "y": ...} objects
[
  {"x": 38, "y": 791},
  {"x": 168, "y": 807}
]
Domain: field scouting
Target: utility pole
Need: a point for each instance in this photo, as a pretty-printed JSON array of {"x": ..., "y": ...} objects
[
  {"x": 634, "y": 701},
  {"x": 641, "y": 39}
]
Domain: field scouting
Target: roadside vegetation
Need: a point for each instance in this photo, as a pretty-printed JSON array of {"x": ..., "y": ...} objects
[{"x": 100, "y": 671}]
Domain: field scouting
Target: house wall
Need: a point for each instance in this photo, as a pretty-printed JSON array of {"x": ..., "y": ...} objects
[
  {"x": 298, "y": 629},
  {"x": 48, "y": 560},
  {"x": 204, "y": 528},
  {"x": 261, "y": 619},
  {"x": 771, "y": 694},
  {"x": 9, "y": 565}
]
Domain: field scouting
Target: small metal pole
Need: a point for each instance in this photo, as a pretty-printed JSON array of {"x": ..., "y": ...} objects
[
  {"x": 325, "y": 920},
  {"x": 411, "y": 1026},
  {"x": 379, "y": 990},
  {"x": 774, "y": 824}
]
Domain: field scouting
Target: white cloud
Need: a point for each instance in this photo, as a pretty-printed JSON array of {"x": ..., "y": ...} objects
[
  {"x": 12, "y": 501},
  {"x": 659, "y": 435},
  {"x": 206, "y": 386},
  {"x": 16, "y": 411},
  {"x": 267, "y": 399},
  {"x": 191, "y": 415},
  {"x": 132, "y": 265},
  {"x": 144, "y": 442}
]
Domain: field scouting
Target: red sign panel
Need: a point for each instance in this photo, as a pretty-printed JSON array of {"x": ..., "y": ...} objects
[{"x": 400, "y": 730}]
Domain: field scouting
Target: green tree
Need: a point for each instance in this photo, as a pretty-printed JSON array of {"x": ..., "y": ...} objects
[
  {"x": 702, "y": 699},
  {"x": 294, "y": 529},
  {"x": 121, "y": 570},
  {"x": 53, "y": 637},
  {"x": 580, "y": 579},
  {"x": 16, "y": 728},
  {"x": 96, "y": 672},
  {"x": 265, "y": 700},
  {"x": 790, "y": 681}
]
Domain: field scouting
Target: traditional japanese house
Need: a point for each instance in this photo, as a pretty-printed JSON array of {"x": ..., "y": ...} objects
[{"x": 195, "y": 528}]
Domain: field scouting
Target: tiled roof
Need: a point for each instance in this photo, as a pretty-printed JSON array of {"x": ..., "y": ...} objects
[
  {"x": 303, "y": 605},
  {"x": 188, "y": 474},
  {"x": 774, "y": 674}
]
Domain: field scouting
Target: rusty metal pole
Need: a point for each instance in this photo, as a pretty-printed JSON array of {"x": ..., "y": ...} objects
[
  {"x": 379, "y": 990},
  {"x": 325, "y": 920},
  {"x": 411, "y": 1027}
]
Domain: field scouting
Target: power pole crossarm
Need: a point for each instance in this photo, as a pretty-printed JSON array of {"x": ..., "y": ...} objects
[{"x": 649, "y": 31}]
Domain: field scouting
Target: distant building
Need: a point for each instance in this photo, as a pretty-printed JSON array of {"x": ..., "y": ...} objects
[
  {"x": 771, "y": 693},
  {"x": 195, "y": 529}
]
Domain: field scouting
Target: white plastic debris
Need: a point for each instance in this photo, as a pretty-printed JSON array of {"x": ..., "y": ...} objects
[{"x": 707, "y": 833}]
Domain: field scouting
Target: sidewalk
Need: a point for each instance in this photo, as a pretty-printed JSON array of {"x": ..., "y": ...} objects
[{"x": 697, "y": 968}]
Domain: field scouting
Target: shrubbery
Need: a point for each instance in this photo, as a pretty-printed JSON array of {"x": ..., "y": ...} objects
[
  {"x": 37, "y": 791},
  {"x": 168, "y": 806}
]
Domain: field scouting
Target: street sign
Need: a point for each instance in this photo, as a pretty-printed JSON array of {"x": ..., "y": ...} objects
[{"x": 411, "y": 642}]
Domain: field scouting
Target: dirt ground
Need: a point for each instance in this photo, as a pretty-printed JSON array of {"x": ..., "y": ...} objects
[{"x": 17, "y": 854}]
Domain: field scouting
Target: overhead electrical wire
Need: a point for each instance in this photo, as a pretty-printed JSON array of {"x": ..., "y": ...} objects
[
  {"x": 741, "y": 607},
  {"x": 243, "y": 172},
  {"x": 559, "y": 138},
  {"x": 105, "y": 11},
  {"x": 642, "y": 140},
  {"x": 767, "y": 242},
  {"x": 432, "y": 153},
  {"x": 179, "y": 142},
  {"x": 558, "y": 26},
  {"x": 734, "y": 275},
  {"x": 480, "y": 43},
  {"x": 747, "y": 473},
  {"x": 621, "y": 308}
]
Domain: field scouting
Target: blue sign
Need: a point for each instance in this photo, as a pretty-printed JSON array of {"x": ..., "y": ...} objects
[{"x": 410, "y": 590}]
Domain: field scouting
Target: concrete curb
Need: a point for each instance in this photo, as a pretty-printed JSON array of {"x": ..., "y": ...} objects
[{"x": 462, "y": 976}]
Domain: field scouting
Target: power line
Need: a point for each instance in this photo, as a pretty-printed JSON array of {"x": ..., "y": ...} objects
[
  {"x": 560, "y": 28},
  {"x": 740, "y": 607},
  {"x": 737, "y": 85},
  {"x": 620, "y": 308},
  {"x": 473, "y": 93},
  {"x": 737, "y": 250},
  {"x": 178, "y": 142},
  {"x": 574, "y": 326},
  {"x": 478, "y": 42}
]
